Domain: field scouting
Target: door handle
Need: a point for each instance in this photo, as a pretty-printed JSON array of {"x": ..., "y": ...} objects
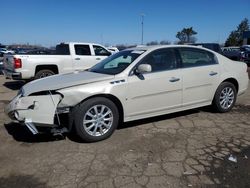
[
  {"x": 98, "y": 58},
  {"x": 173, "y": 79},
  {"x": 212, "y": 73},
  {"x": 77, "y": 58}
]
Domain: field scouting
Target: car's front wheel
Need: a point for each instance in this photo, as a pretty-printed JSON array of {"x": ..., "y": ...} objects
[
  {"x": 225, "y": 97},
  {"x": 95, "y": 119}
]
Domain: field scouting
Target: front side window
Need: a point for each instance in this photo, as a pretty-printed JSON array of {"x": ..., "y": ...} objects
[
  {"x": 116, "y": 63},
  {"x": 101, "y": 51},
  {"x": 82, "y": 50},
  {"x": 161, "y": 60},
  {"x": 195, "y": 57}
]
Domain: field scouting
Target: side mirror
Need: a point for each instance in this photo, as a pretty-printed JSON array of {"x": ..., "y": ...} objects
[{"x": 143, "y": 68}]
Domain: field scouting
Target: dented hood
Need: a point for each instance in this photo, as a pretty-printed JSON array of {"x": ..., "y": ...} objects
[{"x": 63, "y": 81}]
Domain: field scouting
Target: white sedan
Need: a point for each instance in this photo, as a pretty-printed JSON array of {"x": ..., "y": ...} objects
[{"x": 130, "y": 85}]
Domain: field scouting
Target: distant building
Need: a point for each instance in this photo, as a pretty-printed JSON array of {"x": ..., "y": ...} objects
[{"x": 246, "y": 37}]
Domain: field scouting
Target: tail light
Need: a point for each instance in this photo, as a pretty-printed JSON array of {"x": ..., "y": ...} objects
[{"x": 17, "y": 63}]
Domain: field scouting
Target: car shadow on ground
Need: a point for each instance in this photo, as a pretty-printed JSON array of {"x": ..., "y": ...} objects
[
  {"x": 14, "y": 85},
  {"x": 22, "y": 134},
  {"x": 164, "y": 117},
  {"x": 21, "y": 181}
]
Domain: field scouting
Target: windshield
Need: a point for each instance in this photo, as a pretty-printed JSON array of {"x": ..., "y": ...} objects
[{"x": 117, "y": 63}]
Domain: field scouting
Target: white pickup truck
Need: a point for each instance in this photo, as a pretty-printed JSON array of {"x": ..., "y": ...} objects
[{"x": 68, "y": 57}]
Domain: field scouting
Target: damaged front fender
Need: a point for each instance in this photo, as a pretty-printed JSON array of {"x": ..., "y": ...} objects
[{"x": 37, "y": 109}]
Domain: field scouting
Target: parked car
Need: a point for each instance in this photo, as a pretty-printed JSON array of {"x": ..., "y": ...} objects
[
  {"x": 68, "y": 57},
  {"x": 132, "y": 84},
  {"x": 245, "y": 51},
  {"x": 232, "y": 52},
  {"x": 1, "y": 58},
  {"x": 2, "y": 52},
  {"x": 41, "y": 52}
]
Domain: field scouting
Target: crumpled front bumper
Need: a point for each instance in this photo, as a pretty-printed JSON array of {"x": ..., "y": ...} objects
[{"x": 33, "y": 110}]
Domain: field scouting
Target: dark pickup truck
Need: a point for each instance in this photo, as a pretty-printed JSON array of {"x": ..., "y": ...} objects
[
  {"x": 238, "y": 53},
  {"x": 212, "y": 46}
]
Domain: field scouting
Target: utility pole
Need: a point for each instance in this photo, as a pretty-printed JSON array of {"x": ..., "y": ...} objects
[{"x": 142, "y": 22}]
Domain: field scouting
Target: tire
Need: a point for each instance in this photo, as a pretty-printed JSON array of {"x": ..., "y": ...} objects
[
  {"x": 95, "y": 119},
  {"x": 225, "y": 97},
  {"x": 44, "y": 73}
]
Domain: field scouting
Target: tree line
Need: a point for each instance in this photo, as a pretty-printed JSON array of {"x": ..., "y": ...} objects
[{"x": 187, "y": 35}]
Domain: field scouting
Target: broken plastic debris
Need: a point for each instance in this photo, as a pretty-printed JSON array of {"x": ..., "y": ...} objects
[
  {"x": 232, "y": 158},
  {"x": 245, "y": 157},
  {"x": 190, "y": 185},
  {"x": 187, "y": 173}
]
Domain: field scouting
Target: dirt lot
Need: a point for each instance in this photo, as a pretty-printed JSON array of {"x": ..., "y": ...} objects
[{"x": 188, "y": 149}]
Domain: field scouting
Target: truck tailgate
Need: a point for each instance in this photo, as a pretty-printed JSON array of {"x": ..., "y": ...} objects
[{"x": 8, "y": 62}]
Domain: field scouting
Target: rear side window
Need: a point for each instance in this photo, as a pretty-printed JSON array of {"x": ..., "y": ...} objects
[
  {"x": 82, "y": 50},
  {"x": 62, "y": 49},
  {"x": 195, "y": 57}
]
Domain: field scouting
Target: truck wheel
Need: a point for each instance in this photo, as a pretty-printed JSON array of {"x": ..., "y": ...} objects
[
  {"x": 95, "y": 119},
  {"x": 44, "y": 73},
  {"x": 225, "y": 97}
]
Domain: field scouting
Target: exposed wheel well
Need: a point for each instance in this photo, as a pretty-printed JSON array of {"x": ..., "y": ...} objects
[
  {"x": 53, "y": 68},
  {"x": 234, "y": 82},
  {"x": 114, "y": 100}
]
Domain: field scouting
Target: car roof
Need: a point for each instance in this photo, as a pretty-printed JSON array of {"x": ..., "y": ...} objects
[
  {"x": 79, "y": 43},
  {"x": 155, "y": 47}
]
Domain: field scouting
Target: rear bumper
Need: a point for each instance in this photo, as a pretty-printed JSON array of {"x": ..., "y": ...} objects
[{"x": 12, "y": 75}]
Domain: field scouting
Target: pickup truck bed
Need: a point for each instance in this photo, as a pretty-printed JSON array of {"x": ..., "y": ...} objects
[{"x": 70, "y": 57}]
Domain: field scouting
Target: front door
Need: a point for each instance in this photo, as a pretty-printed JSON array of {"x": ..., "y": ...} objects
[{"x": 156, "y": 92}]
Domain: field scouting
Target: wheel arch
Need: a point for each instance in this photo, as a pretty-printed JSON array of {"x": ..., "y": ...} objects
[
  {"x": 114, "y": 99},
  {"x": 233, "y": 81},
  {"x": 51, "y": 67}
]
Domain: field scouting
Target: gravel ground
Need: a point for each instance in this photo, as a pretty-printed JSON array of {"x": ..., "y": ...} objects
[{"x": 187, "y": 149}]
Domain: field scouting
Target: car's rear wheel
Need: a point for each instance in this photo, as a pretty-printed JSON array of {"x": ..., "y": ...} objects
[
  {"x": 44, "y": 73},
  {"x": 225, "y": 97},
  {"x": 95, "y": 119}
]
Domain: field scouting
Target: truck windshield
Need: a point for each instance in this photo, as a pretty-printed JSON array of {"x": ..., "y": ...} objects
[{"x": 117, "y": 63}]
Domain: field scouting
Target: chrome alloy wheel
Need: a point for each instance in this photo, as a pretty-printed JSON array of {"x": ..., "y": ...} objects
[
  {"x": 227, "y": 98},
  {"x": 98, "y": 120}
]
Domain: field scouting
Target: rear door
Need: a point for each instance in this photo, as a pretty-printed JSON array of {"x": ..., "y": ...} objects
[
  {"x": 200, "y": 74},
  {"x": 82, "y": 58}
]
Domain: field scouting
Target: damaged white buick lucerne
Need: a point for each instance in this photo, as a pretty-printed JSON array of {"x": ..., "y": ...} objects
[{"x": 132, "y": 84}]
